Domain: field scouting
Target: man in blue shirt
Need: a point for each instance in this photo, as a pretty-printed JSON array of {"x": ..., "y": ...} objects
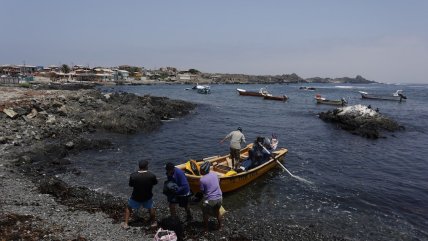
[{"x": 182, "y": 194}]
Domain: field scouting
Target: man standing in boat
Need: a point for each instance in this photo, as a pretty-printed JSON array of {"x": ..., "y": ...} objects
[{"x": 236, "y": 138}]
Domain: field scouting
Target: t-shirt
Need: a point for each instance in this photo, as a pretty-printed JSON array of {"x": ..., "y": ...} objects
[
  {"x": 142, "y": 182},
  {"x": 210, "y": 186},
  {"x": 236, "y": 137}
]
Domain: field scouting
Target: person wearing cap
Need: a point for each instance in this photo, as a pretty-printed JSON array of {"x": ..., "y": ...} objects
[
  {"x": 182, "y": 192},
  {"x": 213, "y": 196},
  {"x": 236, "y": 139},
  {"x": 142, "y": 182}
]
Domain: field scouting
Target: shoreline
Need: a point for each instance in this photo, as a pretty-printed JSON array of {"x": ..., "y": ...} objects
[{"x": 35, "y": 146}]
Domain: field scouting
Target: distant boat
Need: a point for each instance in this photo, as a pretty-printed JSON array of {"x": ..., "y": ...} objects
[
  {"x": 322, "y": 100},
  {"x": 307, "y": 88},
  {"x": 397, "y": 96},
  {"x": 262, "y": 92},
  {"x": 280, "y": 98},
  {"x": 202, "y": 89}
]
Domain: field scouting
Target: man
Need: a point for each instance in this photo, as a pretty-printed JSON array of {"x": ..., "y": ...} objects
[
  {"x": 213, "y": 196},
  {"x": 236, "y": 138},
  {"x": 182, "y": 192},
  {"x": 142, "y": 182}
]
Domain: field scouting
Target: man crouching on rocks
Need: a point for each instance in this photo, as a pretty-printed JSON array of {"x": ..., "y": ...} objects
[{"x": 142, "y": 182}]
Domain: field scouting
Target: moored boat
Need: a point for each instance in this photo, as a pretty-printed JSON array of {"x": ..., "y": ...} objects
[
  {"x": 280, "y": 98},
  {"x": 307, "y": 88},
  {"x": 231, "y": 180},
  {"x": 322, "y": 100},
  {"x": 262, "y": 92},
  {"x": 397, "y": 96},
  {"x": 202, "y": 89}
]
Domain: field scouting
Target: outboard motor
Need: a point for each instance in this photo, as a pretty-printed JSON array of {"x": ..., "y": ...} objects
[{"x": 402, "y": 96}]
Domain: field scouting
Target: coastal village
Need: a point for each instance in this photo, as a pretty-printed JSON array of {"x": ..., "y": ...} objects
[{"x": 127, "y": 74}]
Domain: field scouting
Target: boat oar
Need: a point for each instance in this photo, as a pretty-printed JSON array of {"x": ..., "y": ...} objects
[{"x": 283, "y": 167}]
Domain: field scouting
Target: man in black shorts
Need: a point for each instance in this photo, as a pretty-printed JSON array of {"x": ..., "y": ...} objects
[{"x": 142, "y": 182}]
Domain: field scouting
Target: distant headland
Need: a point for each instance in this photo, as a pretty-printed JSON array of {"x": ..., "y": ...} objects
[{"x": 140, "y": 75}]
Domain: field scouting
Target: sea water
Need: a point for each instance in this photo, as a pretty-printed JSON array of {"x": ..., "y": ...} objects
[{"x": 357, "y": 187}]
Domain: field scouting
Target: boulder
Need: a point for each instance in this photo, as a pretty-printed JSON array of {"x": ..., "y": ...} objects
[{"x": 360, "y": 120}]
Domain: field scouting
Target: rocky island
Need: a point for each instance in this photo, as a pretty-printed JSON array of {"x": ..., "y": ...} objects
[{"x": 361, "y": 120}]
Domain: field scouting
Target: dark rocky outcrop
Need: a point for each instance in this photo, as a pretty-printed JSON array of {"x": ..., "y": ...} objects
[{"x": 360, "y": 120}]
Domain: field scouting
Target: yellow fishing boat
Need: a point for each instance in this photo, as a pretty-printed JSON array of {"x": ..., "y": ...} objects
[{"x": 229, "y": 179}]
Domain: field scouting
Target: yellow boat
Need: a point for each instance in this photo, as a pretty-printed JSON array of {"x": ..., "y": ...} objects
[{"x": 229, "y": 179}]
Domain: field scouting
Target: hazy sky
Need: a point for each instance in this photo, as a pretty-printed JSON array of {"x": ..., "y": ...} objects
[{"x": 382, "y": 40}]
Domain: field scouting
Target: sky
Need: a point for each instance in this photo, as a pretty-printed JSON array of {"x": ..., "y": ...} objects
[{"x": 381, "y": 40}]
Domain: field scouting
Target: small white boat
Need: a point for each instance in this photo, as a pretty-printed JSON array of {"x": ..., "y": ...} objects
[
  {"x": 261, "y": 92},
  {"x": 202, "y": 89},
  {"x": 397, "y": 96}
]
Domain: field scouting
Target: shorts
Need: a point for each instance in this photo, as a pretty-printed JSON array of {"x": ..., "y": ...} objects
[
  {"x": 235, "y": 154},
  {"x": 148, "y": 204},
  {"x": 211, "y": 207},
  {"x": 181, "y": 200}
]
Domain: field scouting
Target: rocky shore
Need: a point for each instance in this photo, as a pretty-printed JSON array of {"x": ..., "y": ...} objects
[{"x": 40, "y": 127}]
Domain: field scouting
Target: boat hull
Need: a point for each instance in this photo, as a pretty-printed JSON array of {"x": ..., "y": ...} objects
[
  {"x": 262, "y": 92},
  {"x": 330, "y": 102},
  {"x": 280, "y": 98},
  {"x": 377, "y": 97},
  {"x": 232, "y": 183},
  {"x": 250, "y": 93}
]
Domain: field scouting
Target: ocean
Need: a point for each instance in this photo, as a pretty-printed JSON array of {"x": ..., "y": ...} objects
[{"x": 362, "y": 189}]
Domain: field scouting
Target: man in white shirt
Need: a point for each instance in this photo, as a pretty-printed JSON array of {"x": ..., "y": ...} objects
[{"x": 236, "y": 138}]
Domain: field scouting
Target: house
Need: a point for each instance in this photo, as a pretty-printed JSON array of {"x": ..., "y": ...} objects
[{"x": 120, "y": 74}]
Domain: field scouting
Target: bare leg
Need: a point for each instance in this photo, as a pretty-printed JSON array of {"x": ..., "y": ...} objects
[
  {"x": 219, "y": 219},
  {"x": 153, "y": 218},
  {"x": 206, "y": 221},
  {"x": 188, "y": 214},
  {"x": 128, "y": 211},
  {"x": 172, "y": 209},
  {"x": 152, "y": 215}
]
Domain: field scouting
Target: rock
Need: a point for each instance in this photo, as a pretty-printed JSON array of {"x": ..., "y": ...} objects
[
  {"x": 33, "y": 113},
  {"x": 69, "y": 144},
  {"x": 107, "y": 96},
  {"x": 360, "y": 120},
  {"x": 22, "y": 110},
  {"x": 57, "y": 104},
  {"x": 11, "y": 113},
  {"x": 51, "y": 119},
  {"x": 62, "y": 111}
]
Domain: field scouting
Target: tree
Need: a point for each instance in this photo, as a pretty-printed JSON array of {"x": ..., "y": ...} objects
[
  {"x": 194, "y": 71},
  {"x": 65, "y": 68}
]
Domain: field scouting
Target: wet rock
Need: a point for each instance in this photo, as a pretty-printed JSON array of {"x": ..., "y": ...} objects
[
  {"x": 360, "y": 120},
  {"x": 69, "y": 144}
]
